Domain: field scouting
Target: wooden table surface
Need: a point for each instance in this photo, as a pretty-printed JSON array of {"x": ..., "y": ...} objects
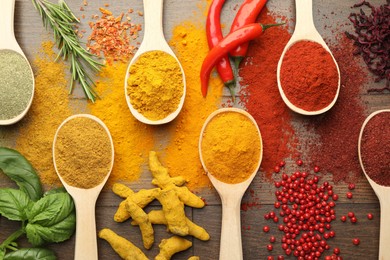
[{"x": 30, "y": 32}]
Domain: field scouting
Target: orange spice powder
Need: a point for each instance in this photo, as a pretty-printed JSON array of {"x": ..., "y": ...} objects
[
  {"x": 132, "y": 139},
  {"x": 182, "y": 156}
]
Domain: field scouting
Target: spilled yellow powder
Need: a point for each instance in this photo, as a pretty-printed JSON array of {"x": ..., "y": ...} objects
[
  {"x": 49, "y": 108},
  {"x": 132, "y": 139},
  {"x": 182, "y": 156}
]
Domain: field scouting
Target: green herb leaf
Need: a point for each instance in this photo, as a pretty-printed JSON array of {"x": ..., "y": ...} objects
[
  {"x": 2, "y": 253},
  {"x": 51, "y": 219},
  {"x": 31, "y": 254},
  {"x": 14, "y": 204},
  {"x": 18, "y": 169},
  {"x": 39, "y": 235}
]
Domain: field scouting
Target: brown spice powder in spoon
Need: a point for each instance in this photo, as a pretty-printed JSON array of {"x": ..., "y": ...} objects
[{"x": 83, "y": 153}]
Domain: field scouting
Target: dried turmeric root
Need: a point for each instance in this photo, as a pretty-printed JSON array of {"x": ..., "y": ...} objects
[
  {"x": 174, "y": 213},
  {"x": 158, "y": 217},
  {"x": 142, "y": 198},
  {"x": 142, "y": 219},
  {"x": 124, "y": 248},
  {"x": 162, "y": 179},
  {"x": 169, "y": 247}
]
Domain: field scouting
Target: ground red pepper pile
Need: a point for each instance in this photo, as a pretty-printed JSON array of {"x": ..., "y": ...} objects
[
  {"x": 308, "y": 76},
  {"x": 375, "y": 148},
  {"x": 338, "y": 129},
  {"x": 260, "y": 94}
]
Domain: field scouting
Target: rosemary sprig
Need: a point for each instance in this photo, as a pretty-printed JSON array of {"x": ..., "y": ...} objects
[{"x": 61, "y": 19}]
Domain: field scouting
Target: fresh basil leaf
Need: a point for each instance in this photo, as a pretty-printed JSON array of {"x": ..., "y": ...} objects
[
  {"x": 51, "y": 209},
  {"x": 56, "y": 190},
  {"x": 31, "y": 254},
  {"x": 14, "y": 204},
  {"x": 51, "y": 219},
  {"x": 18, "y": 169},
  {"x": 2, "y": 253},
  {"x": 38, "y": 235}
]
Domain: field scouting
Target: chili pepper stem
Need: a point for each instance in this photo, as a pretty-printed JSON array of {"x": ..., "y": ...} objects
[
  {"x": 231, "y": 86},
  {"x": 237, "y": 62},
  {"x": 266, "y": 26}
]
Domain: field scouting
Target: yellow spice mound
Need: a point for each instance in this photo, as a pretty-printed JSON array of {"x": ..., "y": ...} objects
[
  {"x": 231, "y": 147},
  {"x": 155, "y": 85}
]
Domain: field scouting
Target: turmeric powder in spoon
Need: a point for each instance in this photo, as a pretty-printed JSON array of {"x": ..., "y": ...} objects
[{"x": 231, "y": 147}]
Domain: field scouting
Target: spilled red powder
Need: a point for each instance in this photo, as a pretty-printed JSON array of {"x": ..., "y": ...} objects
[
  {"x": 260, "y": 94},
  {"x": 339, "y": 128}
]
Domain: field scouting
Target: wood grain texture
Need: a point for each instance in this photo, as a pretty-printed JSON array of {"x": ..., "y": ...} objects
[{"x": 260, "y": 195}]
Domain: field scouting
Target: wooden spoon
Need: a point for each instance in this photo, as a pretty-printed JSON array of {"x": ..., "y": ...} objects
[
  {"x": 383, "y": 194},
  {"x": 154, "y": 40},
  {"x": 231, "y": 195},
  {"x": 305, "y": 30},
  {"x": 85, "y": 201},
  {"x": 8, "y": 42}
]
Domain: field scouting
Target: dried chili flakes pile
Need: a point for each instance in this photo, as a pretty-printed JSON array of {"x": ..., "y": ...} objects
[{"x": 111, "y": 36}]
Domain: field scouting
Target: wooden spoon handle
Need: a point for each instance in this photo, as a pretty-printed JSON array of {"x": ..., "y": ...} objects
[
  {"x": 231, "y": 245},
  {"x": 384, "y": 237},
  {"x": 86, "y": 244},
  {"x": 153, "y": 13},
  {"x": 7, "y": 23},
  {"x": 304, "y": 14}
]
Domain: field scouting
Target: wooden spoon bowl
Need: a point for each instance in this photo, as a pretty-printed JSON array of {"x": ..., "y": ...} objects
[
  {"x": 231, "y": 195},
  {"x": 85, "y": 201},
  {"x": 383, "y": 194},
  {"x": 8, "y": 42},
  {"x": 305, "y": 30},
  {"x": 154, "y": 40}
]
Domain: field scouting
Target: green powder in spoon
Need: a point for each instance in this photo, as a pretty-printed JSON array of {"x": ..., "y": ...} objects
[{"x": 16, "y": 84}]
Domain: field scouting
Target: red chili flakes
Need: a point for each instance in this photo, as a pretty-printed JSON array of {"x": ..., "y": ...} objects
[{"x": 111, "y": 36}]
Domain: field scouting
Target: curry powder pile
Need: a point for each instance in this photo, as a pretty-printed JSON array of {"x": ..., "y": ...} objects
[{"x": 83, "y": 153}]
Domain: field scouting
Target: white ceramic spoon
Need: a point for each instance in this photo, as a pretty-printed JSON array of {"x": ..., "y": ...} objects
[
  {"x": 305, "y": 30},
  {"x": 85, "y": 201},
  {"x": 8, "y": 42},
  {"x": 154, "y": 40},
  {"x": 231, "y": 195},
  {"x": 383, "y": 194}
]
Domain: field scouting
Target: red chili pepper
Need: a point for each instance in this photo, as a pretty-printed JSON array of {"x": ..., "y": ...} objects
[
  {"x": 247, "y": 14},
  {"x": 214, "y": 36},
  {"x": 230, "y": 42}
]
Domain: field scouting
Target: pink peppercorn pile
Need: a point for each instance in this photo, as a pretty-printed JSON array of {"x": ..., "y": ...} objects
[{"x": 307, "y": 209}]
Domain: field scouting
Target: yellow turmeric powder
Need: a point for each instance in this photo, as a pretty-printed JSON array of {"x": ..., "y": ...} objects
[
  {"x": 132, "y": 139},
  {"x": 231, "y": 147},
  {"x": 155, "y": 84},
  {"x": 190, "y": 44},
  {"x": 50, "y": 107}
]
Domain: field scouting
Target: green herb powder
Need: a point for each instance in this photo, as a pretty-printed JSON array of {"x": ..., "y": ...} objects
[{"x": 16, "y": 84}]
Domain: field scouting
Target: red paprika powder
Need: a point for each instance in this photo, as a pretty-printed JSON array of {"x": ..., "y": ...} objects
[
  {"x": 309, "y": 76},
  {"x": 338, "y": 129},
  {"x": 260, "y": 94},
  {"x": 375, "y": 148}
]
